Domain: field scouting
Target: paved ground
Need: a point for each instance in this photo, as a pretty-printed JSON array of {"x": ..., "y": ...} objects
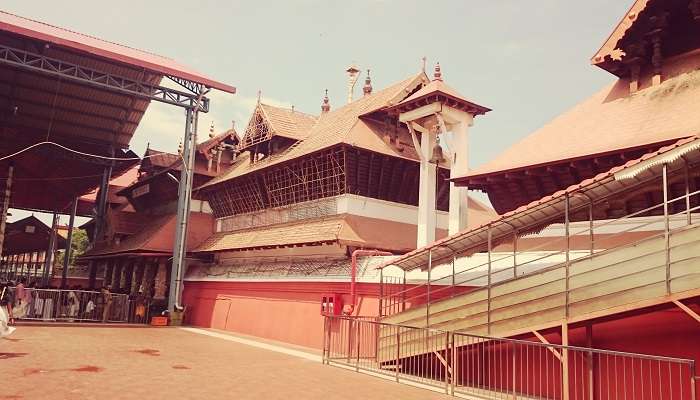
[{"x": 170, "y": 363}]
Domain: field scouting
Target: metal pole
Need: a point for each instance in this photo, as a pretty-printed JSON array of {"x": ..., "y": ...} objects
[
  {"x": 403, "y": 292},
  {"x": 454, "y": 261},
  {"x": 515, "y": 254},
  {"x": 357, "y": 337},
  {"x": 590, "y": 226},
  {"x": 183, "y": 209},
  {"x": 589, "y": 344},
  {"x": 667, "y": 235},
  {"x": 568, "y": 248},
  {"x": 427, "y": 304},
  {"x": 398, "y": 351},
  {"x": 565, "y": 360},
  {"x": 447, "y": 362},
  {"x": 488, "y": 279},
  {"x": 48, "y": 262},
  {"x": 687, "y": 193},
  {"x": 6, "y": 205},
  {"x": 381, "y": 291},
  {"x": 69, "y": 243}
]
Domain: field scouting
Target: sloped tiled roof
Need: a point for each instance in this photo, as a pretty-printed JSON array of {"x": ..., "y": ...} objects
[
  {"x": 438, "y": 86},
  {"x": 339, "y": 126},
  {"x": 287, "y": 122},
  {"x": 206, "y": 145},
  {"x": 608, "y": 121},
  {"x": 157, "y": 235},
  {"x": 343, "y": 229}
]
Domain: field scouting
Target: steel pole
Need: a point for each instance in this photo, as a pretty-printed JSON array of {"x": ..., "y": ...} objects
[
  {"x": 667, "y": 235},
  {"x": 6, "y": 205},
  {"x": 69, "y": 244},
  {"x": 568, "y": 249},
  {"x": 183, "y": 210}
]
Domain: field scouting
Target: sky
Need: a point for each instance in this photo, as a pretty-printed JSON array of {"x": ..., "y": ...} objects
[{"x": 526, "y": 60}]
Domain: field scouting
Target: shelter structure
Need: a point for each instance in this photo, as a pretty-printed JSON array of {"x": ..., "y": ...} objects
[
  {"x": 25, "y": 247},
  {"x": 307, "y": 196},
  {"x": 70, "y": 105}
]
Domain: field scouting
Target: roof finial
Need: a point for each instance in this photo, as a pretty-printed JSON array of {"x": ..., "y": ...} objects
[
  {"x": 233, "y": 124},
  {"x": 326, "y": 106},
  {"x": 353, "y": 75},
  {"x": 259, "y": 94},
  {"x": 367, "y": 89},
  {"x": 437, "y": 76},
  {"x": 211, "y": 130},
  {"x": 423, "y": 60}
]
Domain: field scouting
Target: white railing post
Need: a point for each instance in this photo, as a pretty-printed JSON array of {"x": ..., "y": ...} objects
[
  {"x": 568, "y": 249},
  {"x": 427, "y": 303},
  {"x": 687, "y": 193},
  {"x": 488, "y": 282},
  {"x": 667, "y": 235}
]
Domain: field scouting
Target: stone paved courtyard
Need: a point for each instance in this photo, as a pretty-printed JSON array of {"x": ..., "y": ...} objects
[{"x": 169, "y": 363}]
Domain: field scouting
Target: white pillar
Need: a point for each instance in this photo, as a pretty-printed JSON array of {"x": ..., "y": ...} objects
[
  {"x": 459, "y": 151},
  {"x": 426, "y": 192}
]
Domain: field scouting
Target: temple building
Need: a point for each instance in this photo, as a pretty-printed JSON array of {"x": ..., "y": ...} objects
[
  {"x": 133, "y": 252},
  {"x": 307, "y": 192}
]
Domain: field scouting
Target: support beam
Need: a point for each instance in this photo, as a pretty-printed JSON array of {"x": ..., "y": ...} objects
[
  {"x": 545, "y": 341},
  {"x": 69, "y": 244},
  {"x": 26, "y": 60},
  {"x": 687, "y": 310},
  {"x": 183, "y": 209}
]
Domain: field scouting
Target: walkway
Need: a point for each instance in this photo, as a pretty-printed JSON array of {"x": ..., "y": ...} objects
[{"x": 169, "y": 363}]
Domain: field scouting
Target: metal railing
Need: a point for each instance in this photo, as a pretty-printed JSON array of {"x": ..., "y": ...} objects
[
  {"x": 490, "y": 273},
  {"x": 498, "y": 368},
  {"x": 79, "y": 306}
]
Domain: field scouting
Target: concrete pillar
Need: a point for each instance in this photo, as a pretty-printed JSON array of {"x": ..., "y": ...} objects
[
  {"x": 459, "y": 152},
  {"x": 109, "y": 273},
  {"x": 160, "y": 279},
  {"x": 426, "y": 191},
  {"x": 128, "y": 275},
  {"x": 117, "y": 275},
  {"x": 139, "y": 275}
]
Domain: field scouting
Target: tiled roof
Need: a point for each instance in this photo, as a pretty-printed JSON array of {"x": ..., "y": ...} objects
[
  {"x": 343, "y": 229},
  {"x": 608, "y": 48},
  {"x": 160, "y": 158},
  {"x": 521, "y": 222},
  {"x": 339, "y": 126},
  {"x": 157, "y": 235},
  {"x": 287, "y": 122},
  {"x": 206, "y": 145},
  {"x": 438, "y": 86},
  {"x": 609, "y": 121}
]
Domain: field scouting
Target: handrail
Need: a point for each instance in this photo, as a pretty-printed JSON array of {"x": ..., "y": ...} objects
[
  {"x": 388, "y": 304},
  {"x": 495, "y": 367}
]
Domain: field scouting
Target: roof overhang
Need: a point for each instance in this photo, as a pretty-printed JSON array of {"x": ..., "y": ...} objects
[{"x": 537, "y": 215}]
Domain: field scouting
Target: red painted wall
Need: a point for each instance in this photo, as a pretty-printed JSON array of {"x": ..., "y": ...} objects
[{"x": 283, "y": 311}]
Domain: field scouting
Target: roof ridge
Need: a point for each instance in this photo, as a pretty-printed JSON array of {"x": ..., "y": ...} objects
[{"x": 85, "y": 35}]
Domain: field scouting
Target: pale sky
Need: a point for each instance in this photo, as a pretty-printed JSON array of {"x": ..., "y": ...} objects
[{"x": 527, "y": 60}]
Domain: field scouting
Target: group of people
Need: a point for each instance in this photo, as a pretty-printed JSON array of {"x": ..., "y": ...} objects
[{"x": 21, "y": 301}]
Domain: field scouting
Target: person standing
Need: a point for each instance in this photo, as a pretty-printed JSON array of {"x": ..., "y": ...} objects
[
  {"x": 107, "y": 303},
  {"x": 5, "y": 312}
]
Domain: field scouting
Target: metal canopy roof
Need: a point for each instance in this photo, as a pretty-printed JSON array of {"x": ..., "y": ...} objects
[
  {"x": 83, "y": 93},
  {"x": 114, "y": 52},
  {"x": 538, "y": 215}
]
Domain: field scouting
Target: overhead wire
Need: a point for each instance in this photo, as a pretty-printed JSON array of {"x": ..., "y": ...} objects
[{"x": 76, "y": 152}]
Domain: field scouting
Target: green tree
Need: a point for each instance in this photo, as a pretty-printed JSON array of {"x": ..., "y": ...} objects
[{"x": 79, "y": 244}]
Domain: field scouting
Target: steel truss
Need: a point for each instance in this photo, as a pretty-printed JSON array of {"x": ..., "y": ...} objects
[{"x": 35, "y": 62}]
